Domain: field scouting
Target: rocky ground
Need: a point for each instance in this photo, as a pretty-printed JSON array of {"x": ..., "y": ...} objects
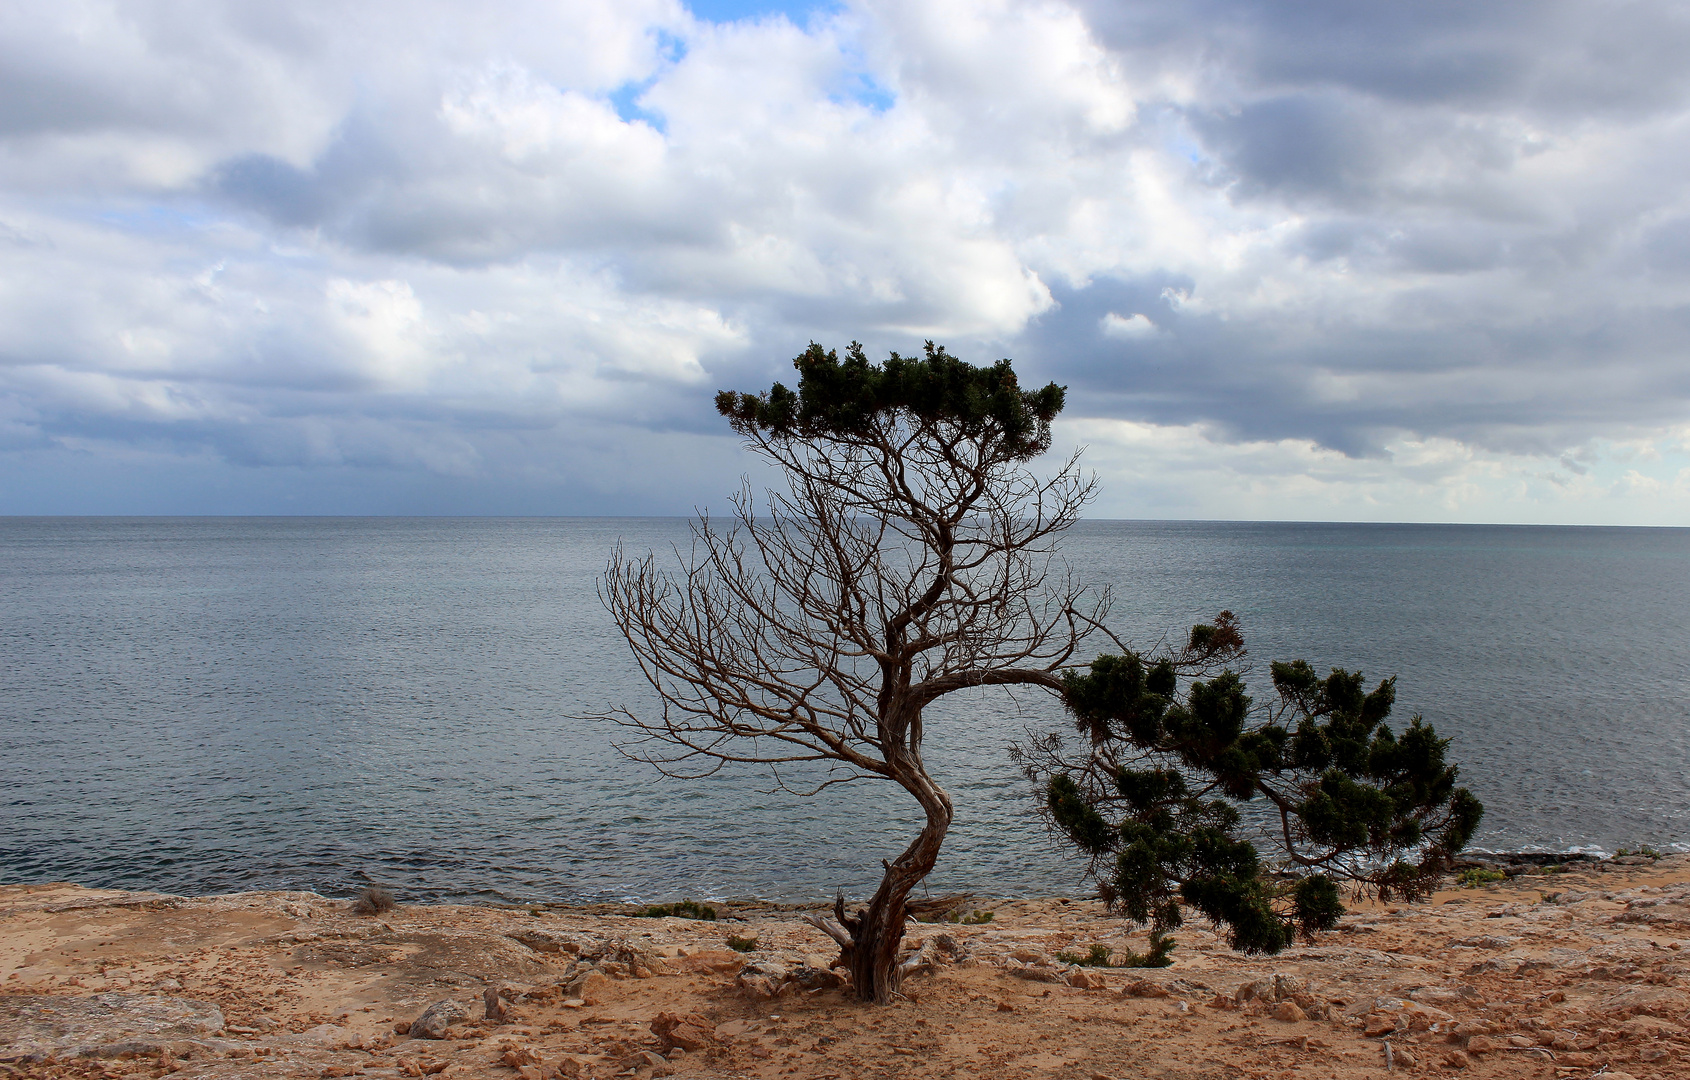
[{"x": 1575, "y": 973}]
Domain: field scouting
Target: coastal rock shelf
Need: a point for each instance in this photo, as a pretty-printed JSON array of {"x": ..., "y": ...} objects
[{"x": 1573, "y": 973}]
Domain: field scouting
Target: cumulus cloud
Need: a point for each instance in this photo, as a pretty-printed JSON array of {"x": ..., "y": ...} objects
[{"x": 1425, "y": 260}]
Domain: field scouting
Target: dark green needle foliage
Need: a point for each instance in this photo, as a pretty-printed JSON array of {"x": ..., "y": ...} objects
[
  {"x": 840, "y": 398},
  {"x": 1175, "y": 746}
]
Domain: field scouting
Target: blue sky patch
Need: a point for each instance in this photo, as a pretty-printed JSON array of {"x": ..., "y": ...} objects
[
  {"x": 725, "y": 11},
  {"x": 625, "y": 99}
]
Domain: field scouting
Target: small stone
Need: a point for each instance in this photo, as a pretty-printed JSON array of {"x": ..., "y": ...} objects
[
  {"x": 1255, "y": 990},
  {"x": 1288, "y": 986},
  {"x": 763, "y": 979},
  {"x": 1481, "y": 1044},
  {"x": 1455, "y": 1059},
  {"x": 1038, "y": 973},
  {"x": 434, "y": 1021},
  {"x": 401, "y": 1027},
  {"x": 817, "y": 978},
  {"x": 1144, "y": 988},
  {"x": 1377, "y": 1024},
  {"x": 1004, "y": 1006},
  {"x": 520, "y": 1056},
  {"x": 1086, "y": 980},
  {"x": 688, "y": 1031},
  {"x": 1577, "y": 1060},
  {"x": 1289, "y": 1012},
  {"x": 591, "y": 986}
]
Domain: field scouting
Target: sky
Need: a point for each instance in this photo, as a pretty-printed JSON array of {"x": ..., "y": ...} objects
[{"x": 1319, "y": 260}]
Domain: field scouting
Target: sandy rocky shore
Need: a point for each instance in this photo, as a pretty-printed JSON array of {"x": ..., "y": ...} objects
[{"x": 1580, "y": 972}]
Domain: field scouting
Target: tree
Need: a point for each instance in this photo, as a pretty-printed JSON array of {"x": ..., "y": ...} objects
[
  {"x": 1154, "y": 800},
  {"x": 911, "y": 555}
]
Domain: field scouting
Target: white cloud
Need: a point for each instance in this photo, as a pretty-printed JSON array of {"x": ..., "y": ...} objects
[
  {"x": 1136, "y": 325},
  {"x": 1432, "y": 269}
]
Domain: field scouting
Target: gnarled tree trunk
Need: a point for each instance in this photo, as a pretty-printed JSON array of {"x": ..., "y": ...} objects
[{"x": 870, "y": 940}]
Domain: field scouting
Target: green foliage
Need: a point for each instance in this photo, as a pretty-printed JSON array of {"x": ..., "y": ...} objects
[
  {"x": 1102, "y": 956},
  {"x": 1474, "y": 877},
  {"x": 1177, "y": 745},
  {"x": 741, "y": 944},
  {"x": 1096, "y": 956},
  {"x": 1160, "y": 946},
  {"x": 1642, "y": 849},
  {"x": 684, "y": 909},
  {"x": 840, "y": 398}
]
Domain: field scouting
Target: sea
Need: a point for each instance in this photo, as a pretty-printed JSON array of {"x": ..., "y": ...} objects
[{"x": 200, "y": 705}]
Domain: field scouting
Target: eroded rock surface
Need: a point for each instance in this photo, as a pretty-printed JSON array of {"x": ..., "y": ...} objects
[{"x": 34, "y": 1027}]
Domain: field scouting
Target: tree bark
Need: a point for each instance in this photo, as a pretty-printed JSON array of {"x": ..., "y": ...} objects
[{"x": 877, "y": 932}]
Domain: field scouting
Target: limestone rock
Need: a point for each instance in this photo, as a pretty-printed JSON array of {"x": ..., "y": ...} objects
[
  {"x": 1289, "y": 1011},
  {"x": 1377, "y": 1024},
  {"x": 1144, "y": 988},
  {"x": 816, "y": 978},
  {"x": 105, "y": 1025},
  {"x": 1038, "y": 973},
  {"x": 687, "y": 1031},
  {"x": 1649, "y": 1000},
  {"x": 763, "y": 979},
  {"x": 1270, "y": 991},
  {"x": 547, "y": 941},
  {"x": 519, "y": 1056},
  {"x": 435, "y": 1019},
  {"x": 1086, "y": 980},
  {"x": 590, "y": 985},
  {"x": 639, "y": 962},
  {"x": 712, "y": 961}
]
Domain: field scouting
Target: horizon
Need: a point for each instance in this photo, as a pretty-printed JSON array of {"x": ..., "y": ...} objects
[{"x": 686, "y": 517}]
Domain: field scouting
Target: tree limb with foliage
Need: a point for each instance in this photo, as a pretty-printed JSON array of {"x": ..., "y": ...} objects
[
  {"x": 911, "y": 555},
  {"x": 1173, "y": 745}
]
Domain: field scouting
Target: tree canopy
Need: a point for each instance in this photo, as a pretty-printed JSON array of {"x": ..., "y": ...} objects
[
  {"x": 1171, "y": 757},
  {"x": 848, "y": 398}
]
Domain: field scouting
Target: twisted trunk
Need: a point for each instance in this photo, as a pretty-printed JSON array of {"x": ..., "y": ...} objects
[{"x": 870, "y": 940}]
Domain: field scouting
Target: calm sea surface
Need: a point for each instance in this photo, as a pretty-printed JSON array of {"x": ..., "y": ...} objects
[{"x": 204, "y": 705}]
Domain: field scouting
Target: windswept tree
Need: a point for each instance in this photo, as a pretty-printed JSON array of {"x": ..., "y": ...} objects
[{"x": 910, "y": 556}]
